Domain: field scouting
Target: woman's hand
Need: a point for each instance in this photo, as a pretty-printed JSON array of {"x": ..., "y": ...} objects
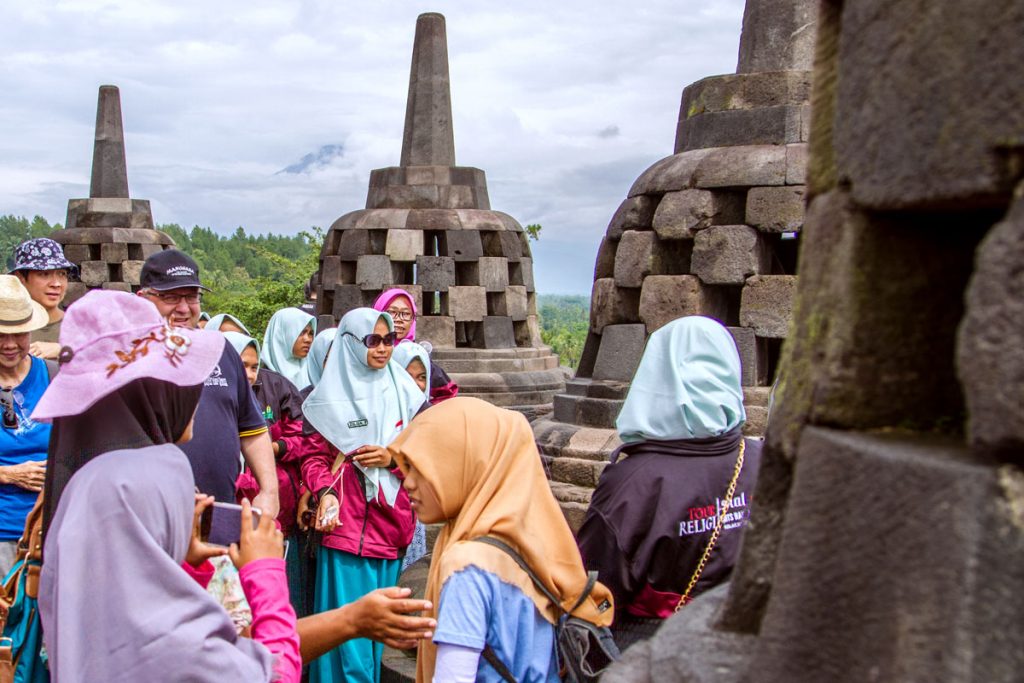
[
  {"x": 45, "y": 350},
  {"x": 372, "y": 456},
  {"x": 389, "y": 616},
  {"x": 327, "y": 513},
  {"x": 198, "y": 551},
  {"x": 266, "y": 540},
  {"x": 28, "y": 475},
  {"x": 302, "y": 508}
]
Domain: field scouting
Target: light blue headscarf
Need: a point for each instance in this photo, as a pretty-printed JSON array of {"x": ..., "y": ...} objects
[
  {"x": 355, "y": 405},
  {"x": 318, "y": 354},
  {"x": 687, "y": 385},
  {"x": 406, "y": 352},
  {"x": 284, "y": 328},
  {"x": 215, "y": 322},
  {"x": 239, "y": 342}
]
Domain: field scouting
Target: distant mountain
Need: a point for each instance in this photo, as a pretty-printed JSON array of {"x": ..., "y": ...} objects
[{"x": 314, "y": 160}]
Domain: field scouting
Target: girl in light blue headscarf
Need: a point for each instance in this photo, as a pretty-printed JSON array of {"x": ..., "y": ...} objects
[
  {"x": 363, "y": 401},
  {"x": 225, "y": 322},
  {"x": 689, "y": 471},
  {"x": 286, "y": 345},
  {"x": 405, "y": 354},
  {"x": 318, "y": 354}
]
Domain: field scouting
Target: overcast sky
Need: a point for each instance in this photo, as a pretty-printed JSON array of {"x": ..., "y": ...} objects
[{"x": 270, "y": 115}]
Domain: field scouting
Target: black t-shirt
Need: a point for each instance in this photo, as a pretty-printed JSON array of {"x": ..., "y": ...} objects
[{"x": 227, "y": 411}]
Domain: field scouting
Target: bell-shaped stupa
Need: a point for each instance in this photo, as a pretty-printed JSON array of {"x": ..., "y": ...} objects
[{"x": 428, "y": 228}]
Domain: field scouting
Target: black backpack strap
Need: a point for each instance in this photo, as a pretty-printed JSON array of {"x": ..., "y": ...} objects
[
  {"x": 492, "y": 658},
  {"x": 508, "y": 550}
]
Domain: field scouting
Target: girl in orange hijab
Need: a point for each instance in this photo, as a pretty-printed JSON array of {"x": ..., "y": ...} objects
[{"x": 475, "y": 467}]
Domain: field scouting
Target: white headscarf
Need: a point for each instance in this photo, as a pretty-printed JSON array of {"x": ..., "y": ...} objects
[
  {"x": 318, "y": 354},
  {"x": 687, "y": 385},
  {"x": 409, "y": 350},
  {"x": 355, "y": 405},
  {"x": 216, "y": 321},
  {"x": 284, "y": 328}
]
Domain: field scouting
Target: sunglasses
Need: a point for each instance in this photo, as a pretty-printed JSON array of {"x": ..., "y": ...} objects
[
  {"x": 372, "y": 341},
  {"x": 10, "y": 418}
]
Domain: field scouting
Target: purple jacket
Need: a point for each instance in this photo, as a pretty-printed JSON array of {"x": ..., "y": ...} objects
[{"x": 367, "y": 528}]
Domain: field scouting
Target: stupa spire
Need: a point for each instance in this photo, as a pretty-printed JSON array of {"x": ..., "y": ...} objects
[
  {"x": 109, "y": 169},
  {"x": 429, "y": 139}
]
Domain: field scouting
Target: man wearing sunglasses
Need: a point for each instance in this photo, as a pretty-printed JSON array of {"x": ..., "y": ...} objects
[{"x": 228, "y": 419}]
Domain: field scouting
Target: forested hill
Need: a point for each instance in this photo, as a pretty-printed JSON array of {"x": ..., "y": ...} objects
[{"x": 254, "y": 275}]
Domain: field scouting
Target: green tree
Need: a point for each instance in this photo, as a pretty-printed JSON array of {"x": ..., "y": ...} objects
[{"x": 16, "y": 229}]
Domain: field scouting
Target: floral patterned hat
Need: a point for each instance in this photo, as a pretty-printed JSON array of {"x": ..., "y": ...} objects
[
  {"x": 41, "y": 253},
  {"x": 109, "y": 339}
]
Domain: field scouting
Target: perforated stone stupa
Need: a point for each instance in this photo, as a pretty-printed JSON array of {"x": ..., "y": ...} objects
[
  {"x": 710, "y": 230},
  {"x": 109, "y": 235},
  {"x": 428, "y": 228}
]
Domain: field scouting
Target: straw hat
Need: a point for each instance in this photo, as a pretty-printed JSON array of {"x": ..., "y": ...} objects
[{"x": 18, "y": 312}]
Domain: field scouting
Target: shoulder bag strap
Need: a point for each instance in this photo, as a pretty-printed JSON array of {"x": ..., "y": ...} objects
[
  {"x": 730, "y": 491},
  {"x": 492, "y": 658},
  {"x": 508, "y": 550}
]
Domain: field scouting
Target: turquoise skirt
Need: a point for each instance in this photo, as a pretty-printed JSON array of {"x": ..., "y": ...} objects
[{"x": 342, "y": 578}]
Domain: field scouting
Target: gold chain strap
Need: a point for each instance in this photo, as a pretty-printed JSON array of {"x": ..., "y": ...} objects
[{"x": 685, "y": 597}]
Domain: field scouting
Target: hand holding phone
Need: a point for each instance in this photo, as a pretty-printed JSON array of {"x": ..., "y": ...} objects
[
  {"x": 221, "y": 523},
  {"x": 327, "y": 513},
  {"x": 260, "y": 538},
  {"x": 198, "y": 550}
]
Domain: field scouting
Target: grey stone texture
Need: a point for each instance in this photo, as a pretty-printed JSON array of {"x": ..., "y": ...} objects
[
  {"x": 990, "y": 348},
  {"x": 767, "y": 304},
  {"x": 429, "y": 136},
  {"x": 729, "y": 254},
  {"x": 634, "y": 213},
  {"x": 776, "y": 209},
  {"x": 682, "y": 213},
  {"x": 753, "y": 356},
  {"x": 664, "y": 298},
  {"x": 621, "y": 348},
  {"x": 610, "y": 304},
  {"x": 777, "y": 36},
  {"x": 108, "y": 235}
]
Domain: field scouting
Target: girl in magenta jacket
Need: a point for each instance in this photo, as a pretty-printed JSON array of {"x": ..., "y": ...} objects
[{"x": 362, "y": 402}]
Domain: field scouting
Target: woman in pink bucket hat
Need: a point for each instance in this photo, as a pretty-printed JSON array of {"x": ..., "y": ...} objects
[{"x": 122, "y": 510}]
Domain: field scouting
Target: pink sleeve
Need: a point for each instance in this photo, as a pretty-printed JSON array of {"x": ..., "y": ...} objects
[
  {"x": 317, "y": 457},
  {"x": 202, "y": 574},
  {"x": 295, "y": 442},
  {"x": 273, "y": 619}
]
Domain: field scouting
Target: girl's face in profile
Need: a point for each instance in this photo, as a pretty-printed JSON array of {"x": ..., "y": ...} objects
[
  {"x": 418, "y": 372},
  {"x": 378, "y": 357},
  {"x": 423, "y": 497}
]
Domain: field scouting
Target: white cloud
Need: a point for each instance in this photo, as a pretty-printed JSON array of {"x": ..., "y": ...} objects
[{"x": 562, "y": 104}]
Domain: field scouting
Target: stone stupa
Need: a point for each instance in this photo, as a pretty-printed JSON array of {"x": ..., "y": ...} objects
[
  {"x": 109, "y": 235},
  {"x": 428, "y": 228},
  {"x": 710, "y": 230}
]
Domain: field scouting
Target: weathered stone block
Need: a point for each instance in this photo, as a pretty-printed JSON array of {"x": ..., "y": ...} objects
[
  {"x": 439, "y": 330},
  {"x": 374, "y": 272},
  {"x": 404, "y": 245},
  {"x": 354, "y": 243},
  {"x": 149, "y": 249},
  {"x": 670, "y": 174},
  {"x": 330, "y": 272},
  {"x": 467, "y": 303},
  {"x": 610, "y": 305},
  {"x": 680, "y": 214},
  {"x": 113, "y": 252},
  {"x": 513, "y": 302},
  {"x": 728, "y": 254},
  {"x": 745, "y": 165},
  {"x": 897, "y": 142},
  {"x": 753, "y": 356},
  {"x": 75, "y": 291},
  {"x": 620, "y": 352},
  {"x": 94, "y": 273},
  {"x": 131, "y": 271},
  {"x": 796, "y": 164},
  {"x": 605, "y": 263},
  {"x": 636, "y": 257},
  {"x": 435, "y": 273},
  {"x": 521, "y": 273},
  {"x": 496, "y": 333},
  {"x": 667, "y": 297},
  {"x": 634, "y": 213},
  {"x": 767, "y": 305},
  {"x": 776, "y": 209},
  {"x": 990, "y": 349},
  {"x": 493, "y": 272},
  {"x": 76, "y": 253},
  {"x": 463, "y": 245},
  {"x": 118, "y": 286},
  {"x": 776, "y": 125},
  {"x": 346, "y": 297}
]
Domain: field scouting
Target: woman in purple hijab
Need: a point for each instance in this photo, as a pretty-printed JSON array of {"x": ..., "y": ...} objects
[{"x": 115, "y": 602}]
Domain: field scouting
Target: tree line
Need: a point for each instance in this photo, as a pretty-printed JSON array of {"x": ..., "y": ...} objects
[{"x": 253, "y": 275}]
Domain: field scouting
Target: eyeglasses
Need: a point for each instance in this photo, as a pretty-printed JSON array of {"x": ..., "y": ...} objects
[
  {"x": 10, "y": 417},
  {"x": 404, "y": 316},
  {"x": 172, "y": 299},
  {"x": 372, "y": 341}
]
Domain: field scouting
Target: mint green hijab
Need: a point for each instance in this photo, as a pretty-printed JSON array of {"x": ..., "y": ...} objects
[
  {"x": 284, "y": 328},
  {"x": 239, "y": 342},
  {"x": 216, "y": 321},
  {"x": 687, "y": 385},
  {"x": 318, "y": 354}
]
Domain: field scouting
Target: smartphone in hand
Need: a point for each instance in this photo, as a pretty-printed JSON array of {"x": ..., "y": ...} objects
[{"x": 221, "y": 523}]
